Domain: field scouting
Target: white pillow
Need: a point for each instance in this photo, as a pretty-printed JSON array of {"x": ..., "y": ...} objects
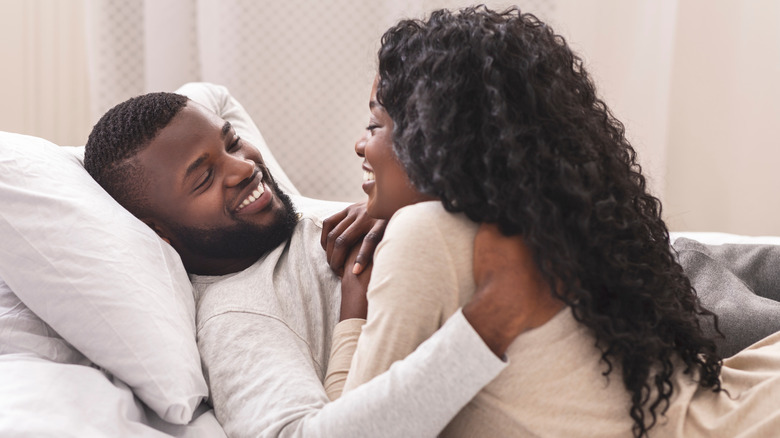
[
  {"x": 101, "y": 278},
  {"x": 22, "y": 333}
]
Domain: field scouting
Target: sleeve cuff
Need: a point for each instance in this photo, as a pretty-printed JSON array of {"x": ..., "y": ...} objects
[
  {"x": 343, "y": 345},
  {"x": 467, "y": 339}
]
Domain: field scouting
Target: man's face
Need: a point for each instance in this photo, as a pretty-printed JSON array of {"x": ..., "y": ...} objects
[{"x": 211, "y": 195}]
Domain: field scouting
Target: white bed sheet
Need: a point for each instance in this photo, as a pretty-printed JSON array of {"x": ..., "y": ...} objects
[
  {"x": 42, "y": 398},
  {"x": 49, "y": 389}
]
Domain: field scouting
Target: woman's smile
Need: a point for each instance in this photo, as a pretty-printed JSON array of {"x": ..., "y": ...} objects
[{"x": 368, "y": 180}]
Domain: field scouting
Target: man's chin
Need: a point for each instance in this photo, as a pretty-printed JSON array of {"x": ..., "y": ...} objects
[{"x": 244, "y": 239}]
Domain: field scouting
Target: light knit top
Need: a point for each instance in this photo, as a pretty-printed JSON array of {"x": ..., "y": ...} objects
[{"x": 554, "y": 385}]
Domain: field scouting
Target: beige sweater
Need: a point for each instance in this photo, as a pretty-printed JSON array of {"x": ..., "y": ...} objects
[{"x": 553, "y": 386}]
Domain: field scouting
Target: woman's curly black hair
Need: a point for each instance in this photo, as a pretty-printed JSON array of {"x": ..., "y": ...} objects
[{"x": 497, "y": 117}]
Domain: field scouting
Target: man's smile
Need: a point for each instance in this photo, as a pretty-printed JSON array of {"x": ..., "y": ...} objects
[{"x": 255, "y": 198}]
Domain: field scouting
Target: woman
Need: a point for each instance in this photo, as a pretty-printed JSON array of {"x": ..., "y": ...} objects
[{"x": 486, "y": 117}]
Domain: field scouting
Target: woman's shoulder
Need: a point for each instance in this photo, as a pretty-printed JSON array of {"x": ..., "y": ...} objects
[
  {"x": 426, "y": 208},
  {"x": 425, "y": 226},
  {"x": 429, "y": 216}
]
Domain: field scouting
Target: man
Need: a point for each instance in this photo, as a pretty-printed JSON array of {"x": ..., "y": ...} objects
[{"x": 267, "y": 301}]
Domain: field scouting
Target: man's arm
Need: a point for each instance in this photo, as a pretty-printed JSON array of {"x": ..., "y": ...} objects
[
  {"x": 264, "y": 382},
  {"x": 512, "y": 295}
]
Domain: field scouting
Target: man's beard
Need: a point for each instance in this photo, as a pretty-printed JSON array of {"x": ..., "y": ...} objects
[{"x": 244, "y": 239}]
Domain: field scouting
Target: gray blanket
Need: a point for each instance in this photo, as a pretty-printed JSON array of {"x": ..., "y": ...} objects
[{"x": 740, "y": 283}]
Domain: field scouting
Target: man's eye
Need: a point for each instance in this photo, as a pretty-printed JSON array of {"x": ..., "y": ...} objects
[
  {"x": 204, "y": 180},
  {"x": 371, "y": 129},
  {"x": 235, "y": 145}
]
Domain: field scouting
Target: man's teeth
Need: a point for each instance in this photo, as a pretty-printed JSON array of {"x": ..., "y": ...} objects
[
  {"x": 368, "y": 175},
  {"x": 252, "y": 196}
]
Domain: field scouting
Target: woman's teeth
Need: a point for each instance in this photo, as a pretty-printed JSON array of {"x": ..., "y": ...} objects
[
  {"x": 252, "y": 197},
  {"x": 368, "y": 175}
]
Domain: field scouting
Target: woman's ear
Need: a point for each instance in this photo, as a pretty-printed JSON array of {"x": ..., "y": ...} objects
[{"x": 157, "y": 229}]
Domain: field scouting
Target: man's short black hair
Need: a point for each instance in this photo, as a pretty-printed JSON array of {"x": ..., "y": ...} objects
[{"x": 123, "y": 132}]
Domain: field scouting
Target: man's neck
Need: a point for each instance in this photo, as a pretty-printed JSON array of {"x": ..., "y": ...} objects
[{"x": 218, "y": 267}]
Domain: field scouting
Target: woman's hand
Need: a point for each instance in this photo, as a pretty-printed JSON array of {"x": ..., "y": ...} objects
[
  {"x": 511, "y": 295},
  {"x": 353, "y": 290},
  {"x": 344, "y": 230}
]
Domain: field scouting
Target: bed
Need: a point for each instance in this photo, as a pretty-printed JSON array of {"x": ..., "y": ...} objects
[{"x": 97, "y": 318}]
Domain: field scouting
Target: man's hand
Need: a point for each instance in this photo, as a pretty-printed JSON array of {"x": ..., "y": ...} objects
[
  {"x": 344, "y": 230},
  {"x": 511, "y": 296},
  {"x": 353, "y": 290}
]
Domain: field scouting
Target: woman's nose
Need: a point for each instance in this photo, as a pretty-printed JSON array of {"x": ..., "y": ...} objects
[
  {"x": 238, "y": 169},
  {"x": 360, "y": 146}
]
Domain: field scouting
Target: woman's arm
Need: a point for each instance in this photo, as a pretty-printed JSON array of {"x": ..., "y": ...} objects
[
  {"x": 351, "y": 320},
  {"x": 413, "y": 290},
  {"x": 342, "y": 349}
]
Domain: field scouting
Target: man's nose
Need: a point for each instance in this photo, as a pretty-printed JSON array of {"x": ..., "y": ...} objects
[
  {"x": 238, "y": 169},
  {"x": 360, "y": 146}
]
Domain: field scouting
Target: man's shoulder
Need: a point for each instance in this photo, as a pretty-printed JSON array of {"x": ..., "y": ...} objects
[
  {"x": 317, "y": 208},
  {"x": 305, "y": 240},
  {"x": 297, "y": 265}
]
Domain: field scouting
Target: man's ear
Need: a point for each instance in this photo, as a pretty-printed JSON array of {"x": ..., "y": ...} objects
[{"x": 157, "y": 229}]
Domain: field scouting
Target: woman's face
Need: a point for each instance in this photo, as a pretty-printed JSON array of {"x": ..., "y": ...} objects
[{"x": 384, "y": 179}]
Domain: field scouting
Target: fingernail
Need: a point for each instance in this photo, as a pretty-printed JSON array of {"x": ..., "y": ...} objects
[{"x": 357, "y": 268}]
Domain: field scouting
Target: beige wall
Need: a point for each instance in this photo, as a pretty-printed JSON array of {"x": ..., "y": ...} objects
[
  {"x": 43, "y": 81},
  {"x": 724, "y": 151},
  {"x": 696, "y": 84},
  {"x": 627, "y": 47}
]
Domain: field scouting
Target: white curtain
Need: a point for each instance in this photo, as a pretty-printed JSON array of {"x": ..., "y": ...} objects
[
  {"x": 694, "y": 81},
  {"x": 302, "y": 69},
  {"x": 723, "y": 145}
]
